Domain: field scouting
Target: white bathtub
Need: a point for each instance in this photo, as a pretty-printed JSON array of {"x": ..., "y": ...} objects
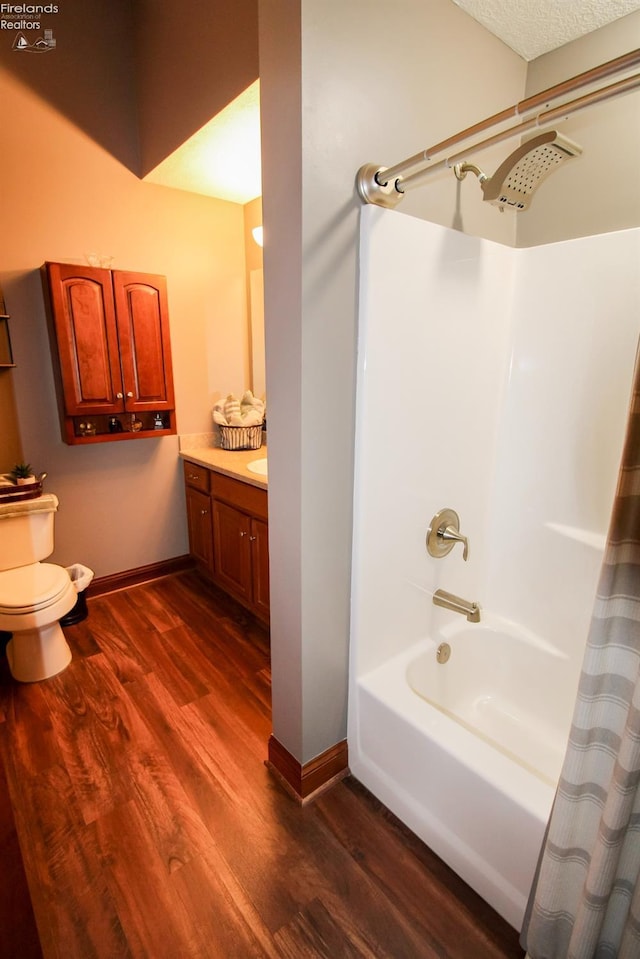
[
  {"x": 505, "y": 685},
  {"x": 468, "y": 753}
]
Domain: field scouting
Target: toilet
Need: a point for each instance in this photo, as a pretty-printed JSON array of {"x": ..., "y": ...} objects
[{"x": 33, "y": 595}]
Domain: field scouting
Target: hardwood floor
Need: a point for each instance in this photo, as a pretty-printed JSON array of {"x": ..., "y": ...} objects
[{"x": 150, "y": 827}]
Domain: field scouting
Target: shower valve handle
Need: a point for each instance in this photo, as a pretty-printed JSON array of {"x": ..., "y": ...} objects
[
  {"x": 451, "y": 535},
  {"x": 444, "y": 533}
]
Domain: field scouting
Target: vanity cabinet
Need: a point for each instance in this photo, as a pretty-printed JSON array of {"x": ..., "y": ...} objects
[
  {"x": 229, "y": 534},
  {"x": 199, "y": 519},
  {"x": 112, "y": 346}
]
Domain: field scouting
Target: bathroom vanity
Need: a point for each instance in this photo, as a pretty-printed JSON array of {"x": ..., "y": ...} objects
[{"x": 227, "y": 520}]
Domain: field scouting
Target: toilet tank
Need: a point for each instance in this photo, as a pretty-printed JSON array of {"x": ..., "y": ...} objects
[{"x": 26, "y": 531}]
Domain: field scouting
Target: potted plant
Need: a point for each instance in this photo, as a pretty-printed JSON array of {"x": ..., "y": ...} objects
[{"x": 23, "y": 474}]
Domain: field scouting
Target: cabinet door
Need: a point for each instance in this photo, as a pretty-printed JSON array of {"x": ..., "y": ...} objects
[
  {"x": 232, "y": 550},
  {"x": 145, "y": 348},
  {"x": 83, "y": 315},
  {"x": 200, "y": 527},
  {"x": 260, "y": 565}
]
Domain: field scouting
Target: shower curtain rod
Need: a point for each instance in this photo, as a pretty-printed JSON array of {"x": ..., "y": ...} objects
[{"x": 385, "y": 186}]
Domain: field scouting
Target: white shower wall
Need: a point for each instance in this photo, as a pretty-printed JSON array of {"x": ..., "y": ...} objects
[
  {"x": 493, "y": 381},
  {"x": 574, "y": 330}
]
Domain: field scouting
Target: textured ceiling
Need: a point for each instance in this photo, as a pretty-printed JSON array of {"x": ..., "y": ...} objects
[
  {"x": 222, "y": 159},
  {"x": 534, "y": 27}
]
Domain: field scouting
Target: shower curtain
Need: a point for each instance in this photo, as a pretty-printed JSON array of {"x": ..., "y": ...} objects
[{"x": 585, "y": 900}]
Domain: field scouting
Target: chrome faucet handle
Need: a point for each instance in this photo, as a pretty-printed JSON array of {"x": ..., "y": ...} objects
[
  {"x": 444, "y": 533},
  {"x": 450, "y": 534}
]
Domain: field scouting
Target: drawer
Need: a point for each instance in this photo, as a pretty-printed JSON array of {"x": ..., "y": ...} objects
[
  {"x": 243, "y": 496},
  {"x": 196, "y": 476}
]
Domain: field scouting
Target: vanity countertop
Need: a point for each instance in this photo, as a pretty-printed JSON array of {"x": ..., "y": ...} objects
[{"x": 230, "y": 462}]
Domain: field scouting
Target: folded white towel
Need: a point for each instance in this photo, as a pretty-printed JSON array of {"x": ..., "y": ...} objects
[
  {"x": 250, "y": 402},
  {"x": 233, "y": 412},
  {"x": 252, "y": 418}
]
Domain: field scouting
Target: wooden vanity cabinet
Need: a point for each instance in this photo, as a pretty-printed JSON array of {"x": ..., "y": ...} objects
[
  {"x": 199, "y": 518},
  {"x": 261, "y": 567},
  {"x": 238, "y": 535},
  {"x": 111, "y": 331}
]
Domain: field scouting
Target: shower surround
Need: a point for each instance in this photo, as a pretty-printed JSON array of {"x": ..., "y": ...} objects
[{"x": 495, "y": 382}]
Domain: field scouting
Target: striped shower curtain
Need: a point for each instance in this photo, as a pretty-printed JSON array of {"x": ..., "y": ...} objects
[{"x": 585, "y": 900}]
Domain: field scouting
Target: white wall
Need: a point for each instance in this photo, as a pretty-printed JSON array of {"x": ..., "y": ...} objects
[
  {"x": 600, "y": 192},
  {"x": 496, "y": 382},
  {"x": 434, "y": 306},
  {"x": 574, "y": 334}
]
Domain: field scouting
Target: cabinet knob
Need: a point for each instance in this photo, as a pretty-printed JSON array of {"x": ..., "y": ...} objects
[
  {"x": 119, "y": 396},
  {"x": 130, "y": 394},
  {"x": 252, "y": 539},
  {"x": 243, "y": 532},
  {"x": 203, "y": 512}
]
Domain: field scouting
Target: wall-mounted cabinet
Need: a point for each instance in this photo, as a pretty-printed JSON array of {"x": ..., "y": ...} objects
[
  {"x": 112, "y": 353},
  {"x": 6, "y": 353}
]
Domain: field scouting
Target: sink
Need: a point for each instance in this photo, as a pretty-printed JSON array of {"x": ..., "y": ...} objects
[{"x": 258, "y": 466}]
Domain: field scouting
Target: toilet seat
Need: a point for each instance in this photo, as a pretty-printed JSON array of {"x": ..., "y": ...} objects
[{"x": 28, "y": 589}]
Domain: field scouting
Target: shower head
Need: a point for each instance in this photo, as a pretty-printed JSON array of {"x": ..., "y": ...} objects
[{"x": 516, "y": 179}]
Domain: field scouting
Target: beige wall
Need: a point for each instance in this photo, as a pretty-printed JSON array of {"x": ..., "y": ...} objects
[
  {"x": 255, "y": 297},
  {"x": 121, "y": 503},
  {"x": 192, "y": 59},
  {"x": 90, "y": 76},
  {"x": 281, "y": 118},
  {"x": 600, "y": 191},
  {"x": 342, "y": 85}
]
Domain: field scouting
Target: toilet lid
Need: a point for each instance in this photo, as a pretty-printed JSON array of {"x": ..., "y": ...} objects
[{"x": 30, "y": 588}]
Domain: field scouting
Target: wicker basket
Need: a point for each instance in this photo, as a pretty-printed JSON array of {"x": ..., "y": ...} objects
[{"x": 241, "y": 437}]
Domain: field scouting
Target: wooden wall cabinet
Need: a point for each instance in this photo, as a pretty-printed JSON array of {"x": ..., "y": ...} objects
[
  {"x": 113, "y": 351},
  {"x": 6, "y": 353},
  {"x": 229, "y": 535}
]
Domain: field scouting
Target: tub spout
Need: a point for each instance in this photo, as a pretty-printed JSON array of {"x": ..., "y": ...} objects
[{"x": 458, "y": 605}]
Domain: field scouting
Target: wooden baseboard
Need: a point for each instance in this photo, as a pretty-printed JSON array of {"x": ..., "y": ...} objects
[
  {"x": 306, "y": 781},
  {"x": 143, "y": 574}
]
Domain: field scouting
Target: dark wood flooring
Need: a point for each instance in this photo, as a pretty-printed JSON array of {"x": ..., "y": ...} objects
[{"x": 150, "y": 827}]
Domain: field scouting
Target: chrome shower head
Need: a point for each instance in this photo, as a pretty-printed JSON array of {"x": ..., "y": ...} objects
[{"x": 516, "y": 179}]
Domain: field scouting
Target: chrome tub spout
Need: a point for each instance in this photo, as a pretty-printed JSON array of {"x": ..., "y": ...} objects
[{"x": 458, "y": 605}]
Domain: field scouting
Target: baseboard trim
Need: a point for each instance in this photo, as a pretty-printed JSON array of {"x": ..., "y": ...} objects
[
  {"x": 143, "y": 574},
  {"x": 307, "y": 781}
]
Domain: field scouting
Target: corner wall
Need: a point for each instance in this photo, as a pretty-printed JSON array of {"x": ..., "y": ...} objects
[
  {"x": 600, "y": 191},
  {"x": 192, "y": 59},
  {"x": 374, "y": 83}
]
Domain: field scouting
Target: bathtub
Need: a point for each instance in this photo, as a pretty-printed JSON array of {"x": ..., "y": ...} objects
[{"x": 466, "y": 753}]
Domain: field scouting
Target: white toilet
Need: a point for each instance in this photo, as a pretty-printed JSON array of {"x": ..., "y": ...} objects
[{"x": 33, "y": 595}]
